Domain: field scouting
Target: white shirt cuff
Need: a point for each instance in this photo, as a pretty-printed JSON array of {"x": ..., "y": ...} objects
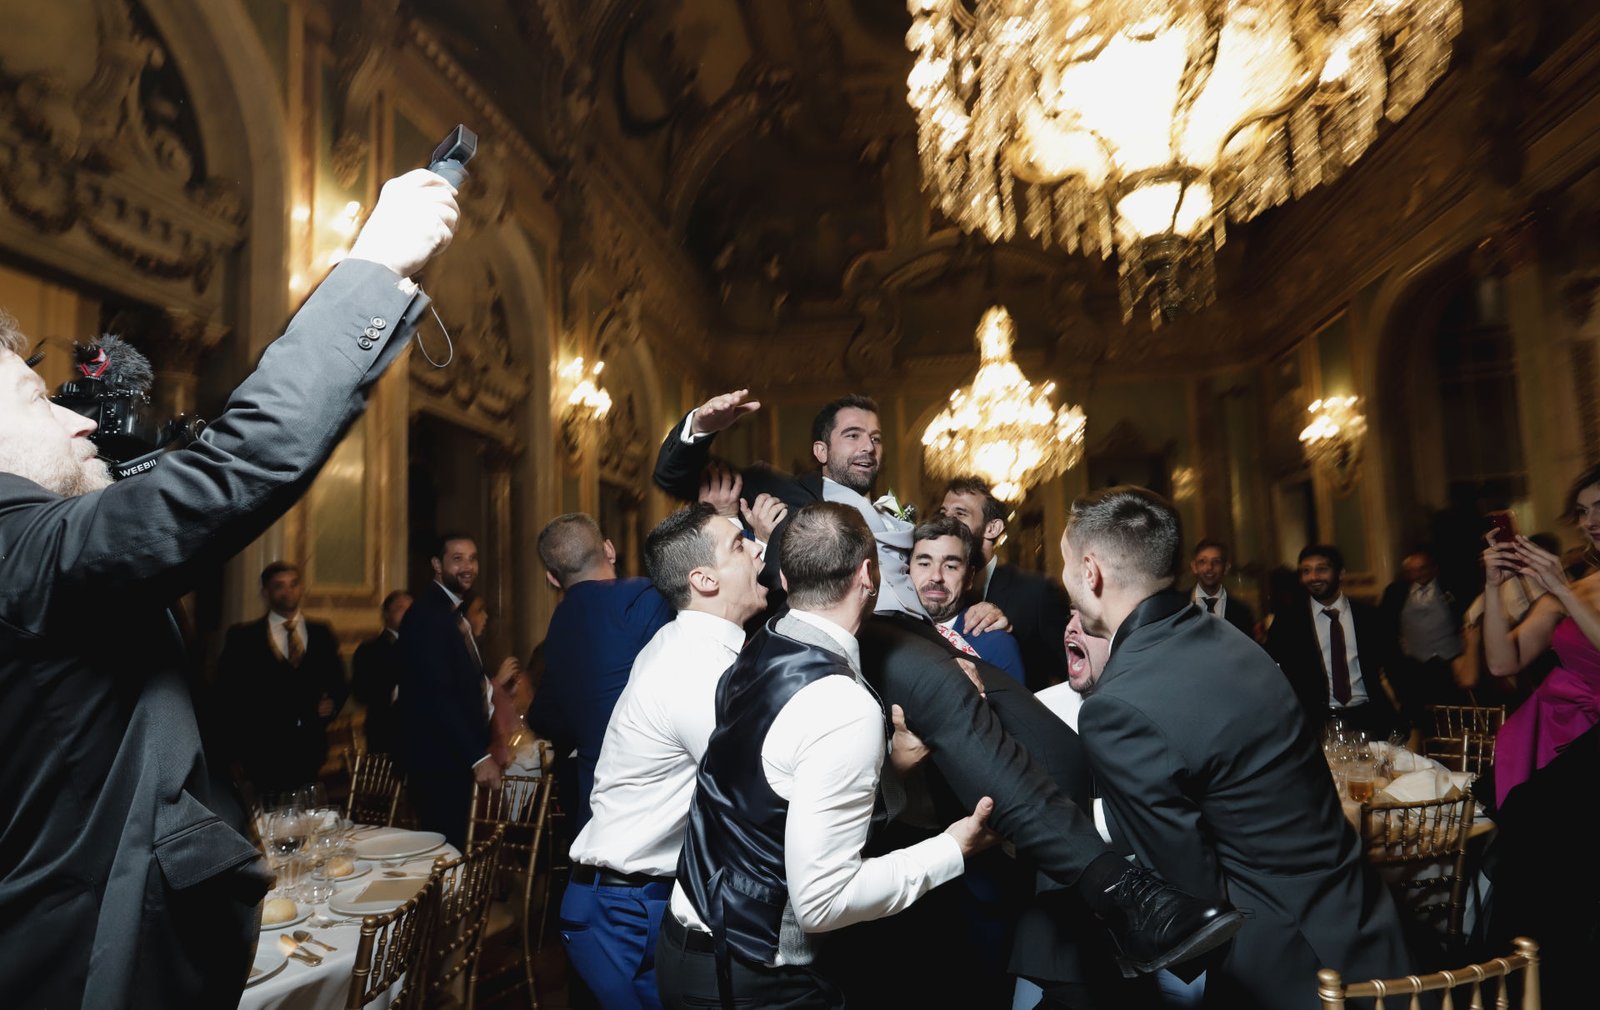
[
  {"x": 940, "y": 856},
  {"x": 481, "y": 760},
  {"x": 688, "y": 434},
  {"x": 1100, "y": 824}
]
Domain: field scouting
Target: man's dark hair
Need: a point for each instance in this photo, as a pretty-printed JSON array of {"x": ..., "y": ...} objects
[
  {"x": 993, "y": 508},
  {"x": 275, "y": 569},
  {"x": 677, "y": 546},
  {"x": 823, "y": 545},
  {"x": 1207, "y": 544},
  {"x": 443, "y": 541},
  {"x": 822, "y": 426},
  {"x": 1137, "y": 528},
  {"x": 1421, "y": 550},
  {"x": 949, "y": 526},
  {"x": 571, "y": 544},
  {"x": 391, "y": 600},
  {"x": 1334, "y": 555}
]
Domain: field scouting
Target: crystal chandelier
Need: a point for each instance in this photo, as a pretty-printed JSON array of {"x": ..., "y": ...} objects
[
  {"x": 1001, "y": 428},
  {"x": 1332, "y": 441},
  {"x": 1136, "y": 126}
]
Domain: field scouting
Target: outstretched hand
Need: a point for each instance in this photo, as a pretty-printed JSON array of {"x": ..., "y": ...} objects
[
  {"x": 720, "y": 412},
  {"x": 763, "y": 515},
  {"x": 972, "y": 833}
]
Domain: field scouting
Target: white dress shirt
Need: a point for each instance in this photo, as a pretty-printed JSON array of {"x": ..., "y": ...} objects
[
  {"x": 1199, "y": 597},
  {"x": 280, "y": 634},
  {"x": 653, "y": 745},
  {"x": 988, "y": 577},
  {"x": 1358, "y": 687},
  {"x": 823, "y": 754}
]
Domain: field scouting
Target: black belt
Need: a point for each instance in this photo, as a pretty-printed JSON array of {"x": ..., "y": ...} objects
[
  {"x": 585, "y": 875},
  {"x": 697, "y": 941}
]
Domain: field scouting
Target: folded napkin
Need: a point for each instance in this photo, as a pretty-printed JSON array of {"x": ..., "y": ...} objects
[
  {"x": 392, "y": 889},
  {"x": 1423, "y": 784}
]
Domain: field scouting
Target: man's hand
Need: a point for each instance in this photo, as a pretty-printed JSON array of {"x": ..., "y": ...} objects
[
  {"x": 719, "y": 488},
  {"x": 487, "y": 774},
  {"x": 508, "y": 672},
  {"x": 983, "y": 617},
  {"x": 970, "y": 668},
  {"x": 719, "y": 412},
  {"x": 907, "y": 749},
  {"x": 971, "y": 833},
  {"x": 414, "y": 220},
  {"x": 764, "y": 515}
]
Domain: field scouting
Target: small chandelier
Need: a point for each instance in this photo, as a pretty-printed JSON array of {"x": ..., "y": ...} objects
[
  {"x": 1332, "y": 441},
  {"x": 584, "y": 404},
  {"x": 1135, "y": 126},
  {"x": 1001, "y": 427}
]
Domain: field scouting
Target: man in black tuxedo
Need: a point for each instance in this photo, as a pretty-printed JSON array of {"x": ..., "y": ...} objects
[
  {"x": 1334, "y": 650},
  {"x": 1036, "y": 606},
  {"x": 283, "y": 680},
  {"x": 1210, "y": 568},
  {"x": 442, "y": 705},
  {"x": 1200, "y": 752},
  {"x": 126, "y": 875},
  {"x": 375, "y": 673}
]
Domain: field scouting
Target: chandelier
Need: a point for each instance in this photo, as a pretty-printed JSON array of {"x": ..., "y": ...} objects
[
  {"x": 584, "y": 404},
  {"x": 1136, "y": 126},
  {"x": 1001, "y": 427},
  {"x": 1332, "y": 441}
]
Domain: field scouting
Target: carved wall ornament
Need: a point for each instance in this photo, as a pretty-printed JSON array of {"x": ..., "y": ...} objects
[{"x": 484, "y": 378}]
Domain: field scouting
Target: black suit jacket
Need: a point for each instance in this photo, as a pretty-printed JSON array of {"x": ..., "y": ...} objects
[
  {"x": 1038, "y": 610},
  {"x": 125, "y": 867},
  {"x": 374, "y": 674},
  {"x": 278, "y": 737},
  {"x": 440, "y": 709},
  {"x": 1293, "y": 644},
  {"x": 1200, "y": 751}
]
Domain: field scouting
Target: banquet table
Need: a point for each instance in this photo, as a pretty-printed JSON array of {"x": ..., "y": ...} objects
[{"x": 300, "y": 986}]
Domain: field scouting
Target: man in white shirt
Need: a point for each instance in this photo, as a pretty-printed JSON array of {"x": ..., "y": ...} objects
[
  {"x": 785, "y": 794},
  {"x": 624, "y": 859}
]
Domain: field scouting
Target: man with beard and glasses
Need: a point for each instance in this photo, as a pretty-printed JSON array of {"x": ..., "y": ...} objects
[
  {"x": 126, "y": 875},
  {"x": 442, "y": 704}
]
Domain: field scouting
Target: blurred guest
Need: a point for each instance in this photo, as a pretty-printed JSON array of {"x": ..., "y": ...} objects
[
  {"x": 595, "y": 634},
  {"x": 1427, "y": 617},
  {"x": 1567, "y": 619},
  {"x": 1334, "y": 650},
  {"x": 376, "y": 673},
  {"x": 1034, "y": 604},
  {"x": 626, "y": 857},
  {"x": 282, "y": 680},
  {"x": 442, "y": 706},
  {"x": 1210, "y": 568},
  {"x": 1517, "y": 594},
  {"x": 944, "y": 556}
]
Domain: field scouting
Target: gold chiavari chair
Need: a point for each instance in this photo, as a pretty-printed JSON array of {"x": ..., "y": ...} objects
[
  {"x": 391, "y": 949},
  {"x": 520, "y": 808},
  {"x": 1467, "y": 720},
  {"x": 1421, "y": 849},
  {"x": 374, "y": 790},
  {"x": 468, "y": 886},
  {"x": 1334, "y": 991}
]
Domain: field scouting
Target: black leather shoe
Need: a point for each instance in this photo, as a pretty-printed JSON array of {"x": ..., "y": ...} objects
[{"x": 1156, "y": 924}]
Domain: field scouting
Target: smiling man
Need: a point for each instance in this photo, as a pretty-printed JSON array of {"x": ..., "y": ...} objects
[{"x": 944, "y": 555}]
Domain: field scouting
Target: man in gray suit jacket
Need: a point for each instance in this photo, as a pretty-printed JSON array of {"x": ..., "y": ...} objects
[
  {"x": 126, "y": 877},
  {"x": 1200, "y": 750}
]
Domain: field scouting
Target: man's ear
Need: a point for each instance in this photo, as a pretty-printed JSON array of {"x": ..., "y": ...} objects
[
  {"x": 550, "y": 577},
  {"x": 437, "y": 569},
  {"x": 820, "y": 451},
  {"x": 611, "y": 552},
  {"x": 783, "y": 580},
  {"x": 994, "y": 529},
  {"x": 703, "y": 581},
  {"x": 1094, "y": 576}
]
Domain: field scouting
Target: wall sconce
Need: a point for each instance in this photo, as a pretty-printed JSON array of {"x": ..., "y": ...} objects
[
  {"x": 1332, "y": 441},
  {"x": 1185, "y": 483},
  {"x": 584, "y": 405}
]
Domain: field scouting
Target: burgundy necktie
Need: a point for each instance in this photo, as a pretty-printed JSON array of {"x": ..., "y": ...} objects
[{"x": 1340, "y": 673}]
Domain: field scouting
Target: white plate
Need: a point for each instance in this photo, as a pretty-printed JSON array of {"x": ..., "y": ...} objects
[
  {"x": 269, "y": 961},
  {"x": 394, "y": 843},
  {"x": 344, "y": 902},
  {"x": 301, "y": 911}
]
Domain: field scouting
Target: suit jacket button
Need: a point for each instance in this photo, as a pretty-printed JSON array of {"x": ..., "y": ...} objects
[
  {"x": 364, "y": 343},
  {"x": 378, "y": 322},
  {"x": 374, "y": 333}
]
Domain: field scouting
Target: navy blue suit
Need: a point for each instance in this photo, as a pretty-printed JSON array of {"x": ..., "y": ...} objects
[
  {"x": 997, "y": 648},
  {"x": 595, "y": 633}
]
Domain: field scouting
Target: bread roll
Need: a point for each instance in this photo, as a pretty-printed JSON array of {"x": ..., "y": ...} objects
[
  {"x": 278, "y": 910},
  {"x": 340, "y": 866}
]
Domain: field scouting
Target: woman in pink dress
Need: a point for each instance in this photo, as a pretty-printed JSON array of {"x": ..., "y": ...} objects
[{"x": 1566, "y": 619}]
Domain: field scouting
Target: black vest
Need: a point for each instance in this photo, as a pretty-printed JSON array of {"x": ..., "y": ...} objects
[{"x": 732, "y": 866}]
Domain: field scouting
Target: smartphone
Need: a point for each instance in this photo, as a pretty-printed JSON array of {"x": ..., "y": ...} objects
[{"x": 1504, "y": 525}]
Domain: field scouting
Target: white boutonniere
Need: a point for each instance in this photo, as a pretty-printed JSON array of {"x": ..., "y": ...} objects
[{"x": 889, "y": 505}]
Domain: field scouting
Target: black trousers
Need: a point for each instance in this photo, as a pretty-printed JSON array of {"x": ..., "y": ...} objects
[{"x": 687, "y": 978}]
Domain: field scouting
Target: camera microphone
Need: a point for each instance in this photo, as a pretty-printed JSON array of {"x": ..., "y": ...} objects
[
  {"x": 113, "y": 390},
  {"x": 116, "y": 363}
]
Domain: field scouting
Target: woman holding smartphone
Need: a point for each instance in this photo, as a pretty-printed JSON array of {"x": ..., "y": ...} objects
[{"x": 1567, "y": 619}]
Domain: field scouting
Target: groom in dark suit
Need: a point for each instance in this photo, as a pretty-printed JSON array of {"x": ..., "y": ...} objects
[
  {"x": 126, "y": 875},
  {"x": 1200, "y": 750}
]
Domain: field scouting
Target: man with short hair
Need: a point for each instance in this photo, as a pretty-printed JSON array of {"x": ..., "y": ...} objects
[
  {"x": 595, "y": 634},
  {"x": 1210, "y": 567},
  {"x": 784, "y": 797},
  {"x": 282, "y": 679},
  {"x": 1034, "y": 604},
  {"x": 624, "y": 859},
  {"x": 1334, "y": 650},
  {"x": 375, "y": 673},
  {"x": 1200, "y": 752},
  {"x": 442, "y": 707},
  {"x": 944, "y": 554},
  {"x": 1425, "y": 616}
]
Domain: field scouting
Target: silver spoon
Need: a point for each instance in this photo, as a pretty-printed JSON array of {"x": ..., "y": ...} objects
[{"x": 304, "y": 936}]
